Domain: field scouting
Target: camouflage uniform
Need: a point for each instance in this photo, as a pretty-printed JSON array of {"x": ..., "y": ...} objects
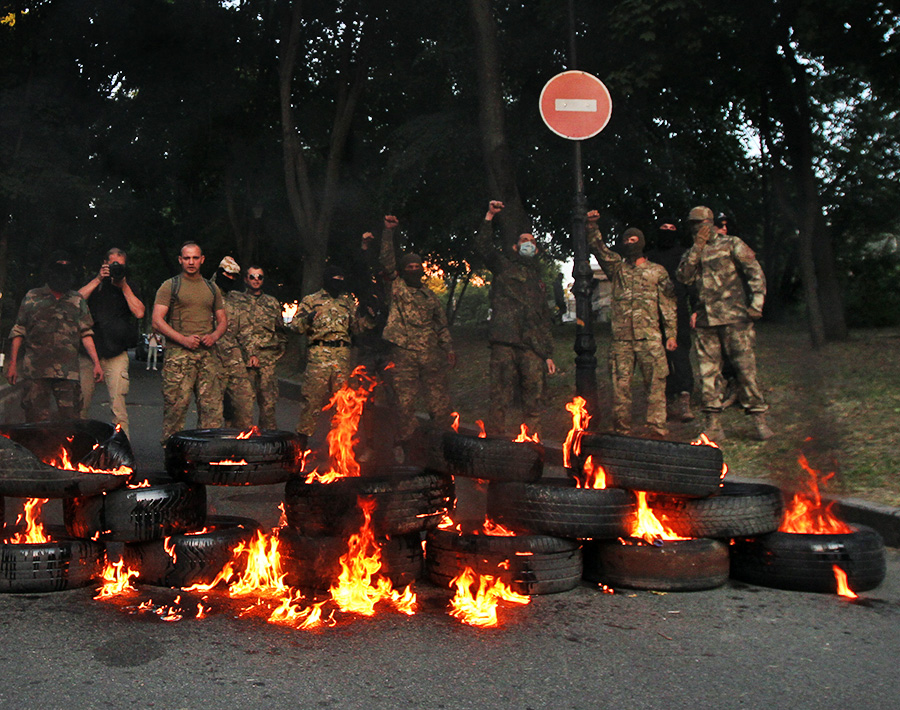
[
  {"x": 52, "y": 330},
  {"x": 328, "y": 323},
  {"x": 519, "y": 333},
  {"x": 722, "y": 316},
  {"x": 261, "y": 316},
  {"x": 420, "y": 345},
  {"x": 236, "y": 383},
  {"x": 642, "y": 294}
]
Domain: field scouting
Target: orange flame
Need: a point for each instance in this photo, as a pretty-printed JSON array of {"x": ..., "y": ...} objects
[
  {"x": 480, "y": 608},
  {"x": 843, "y": 589},
  {"x": 289, "y": 310},
  {"x": 447, "y": 523},
  {"x": 143, "y": 484},
  {"x": 34, "y": 527},
  {"x": 252, "y": 431},
  {"x": 455, "y": 424},
  {"x": 495, "y": 529},
  {"x": 704, "y": 440},
  {"x": 594, "y": 475},
  {"x": 806, "y": 512},
  {"x": 647, "y": 526},
  {"x": 228, "y": 462},
  {"x": 116, "y": 580},
  {"x": 523, "y": 435},
  {"x": 64, "y": 463},
  {"x": 580, "y": 421},
  {"x": 355, "y": 589},
  {"x": 482, "y": 434},
  {"x": 292, "y": 613}
]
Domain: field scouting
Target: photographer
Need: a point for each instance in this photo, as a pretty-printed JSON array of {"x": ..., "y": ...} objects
[{"x": 114, "y": 306}]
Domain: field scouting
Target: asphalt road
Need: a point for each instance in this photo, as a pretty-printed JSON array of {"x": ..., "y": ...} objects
[{"x": 733, "y": 647}]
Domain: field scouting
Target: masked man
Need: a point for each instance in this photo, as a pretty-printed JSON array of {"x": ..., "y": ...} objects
[
  {"x": 643, "y": 305},
  {"x": 237, "y": 407}
]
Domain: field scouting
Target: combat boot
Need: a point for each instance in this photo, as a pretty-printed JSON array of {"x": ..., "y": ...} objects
[
  {"x": 713, "y": 427},
  {"x": 763, "y": 431},
  {"x": 684, "y": 407}
]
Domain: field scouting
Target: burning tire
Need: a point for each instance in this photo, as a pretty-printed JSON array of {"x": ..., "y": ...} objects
[
  {"x": 737, "y": 510},
  {"x": 138, "y": 514},
  {"x": 556, "y": 507},
  {"x": 407, "y": 500},
  {"x": 492, "y": 459},
  {"x": 529, "y": 564},
  {"x": 218, "y": 457},
  {"x": 314, "y": 562},
  {"x": 655, "y": 466},
  {"x": 804, "y": 562},
  {"x": 87, "y": 441},
  {"x": 49, "y": 566},
  {"x": 196, "y": 557},
  {"x": 674, "y": 566}
]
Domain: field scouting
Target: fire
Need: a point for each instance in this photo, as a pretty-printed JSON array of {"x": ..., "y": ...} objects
[
  {"x": 495, "y": 529},
  {"x": 348, "y": 403},
  {"x": 289, "y": 310},
  {"x": 843, "y": 589},
  {"x": 355, "y": 589},
  {"x": 34, "y": 526},
  {"x": 594, "y": 475},
  {"x": 704, "y": 440},
  {"x": 647, "y": 526},
  {"x": 252, "y": 431},
  {"x": 228, "y": 462},
  {"x": 482, "y": 434},
  {"x": 447, "y": 523},
  {"x": 292, "y": 613},
  {"x": 523, "y": 435},
  {"x": 64, "y": 463},
  {"x": 143, "y": 484},
  {"x": 116, "y": 580},
  {"x": 263, "y": 572},
  {"x": 580, "y": 421},
  {"x": 480, "y": 608},
  {"x": 455, "y": 424},
  {"x": 806, "y": 512}
]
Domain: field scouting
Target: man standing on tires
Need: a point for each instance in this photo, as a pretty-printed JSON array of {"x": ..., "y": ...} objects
[
  {"x": 52, "y": 321},
  {"x": 715, "y": 265},
  {"x": 263, "y": 343},
  {"x": 421, "y": 347},
  {"x": 643, "y": 306},
  {"x": 115, "y": 308},
  {"x": 520, "y": 336},
  {"x": 190, "y": 312}
]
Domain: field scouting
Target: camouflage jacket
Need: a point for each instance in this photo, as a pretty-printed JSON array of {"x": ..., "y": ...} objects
[
  {"x": 717, "y": 271},
  {"x": 520, "y": 314},
  {"x": 228, "y": 347},
  {"x": 52, "y": 330},
  {"x": 641, "y": 294},
  {"x": 261, "y": 322},
  {"x": 323, "y": 317},
  {"x": 416, "y": 318}
]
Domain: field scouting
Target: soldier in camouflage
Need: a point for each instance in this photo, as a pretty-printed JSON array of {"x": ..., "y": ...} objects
[
  {"x": 237, "y": 389},
  {"x": 328, "y": 318},
  {"x": 723, "y": 320},
  {"x": 190, "y": 312},
  {"x": 643, "y": 305},
  {"x": 52, "y": 322},
  {"x": 262, "y": 343},
  {"x": 520, "y": 337},
  {"x": 421, "y": 347}
]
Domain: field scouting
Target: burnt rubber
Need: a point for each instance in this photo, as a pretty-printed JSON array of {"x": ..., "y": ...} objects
[
  {"x": 24, "y": 475},
  {"x": 198, "y": 557},
  {"x": 529, "y": 564},
  {"x": 737, "y": 510},
  {"x": 407, "y": 500},
  {"x": 655, "y": 466},
  {"x": 138, "y": 514},
  {"x": 556, "y": 507},
  {"x": 492, "y": 459},
  {"x": 804, "y": 562},
  {"x": 93, "y": 443},
  {"x": 314, "y": 562},
  {"x": 673, "y": 566},
  {"x": 50, "y": 566},
  {"x": 197, "y": 455}
]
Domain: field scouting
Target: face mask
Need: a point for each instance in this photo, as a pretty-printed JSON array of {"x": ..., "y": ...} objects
[
  {"x": 527, "y": 249},
  {"x": 224, "y": 283},
  {"x": 334, "y": 287},
  {"x": 633, "y": 250},
  {"x": 413, "y": 277},
  {"x": 60, "y": 277}
]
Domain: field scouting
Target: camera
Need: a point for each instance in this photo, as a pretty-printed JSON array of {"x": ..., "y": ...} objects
[{"x": 116, "y": 271}]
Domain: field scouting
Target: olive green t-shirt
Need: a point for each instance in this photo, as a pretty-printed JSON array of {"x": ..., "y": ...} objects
[{"x": 195, "y": 306}]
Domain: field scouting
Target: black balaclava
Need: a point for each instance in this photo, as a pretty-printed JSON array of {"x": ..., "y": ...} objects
[
  {"x": 60, "y": 273},
  {"x": 412, "y": 277},
  {"x": 333, "y": 281},
  {"x": 636, "y": 250},
  {"x": 667, "y": 238},
  {"x": 224, "y": 283}
]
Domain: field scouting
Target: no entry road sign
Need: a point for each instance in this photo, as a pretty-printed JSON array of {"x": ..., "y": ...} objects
[{"x": 575, "y": 105}]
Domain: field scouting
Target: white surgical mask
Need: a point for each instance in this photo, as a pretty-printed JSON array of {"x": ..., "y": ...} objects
[{"x": 527, "y": 249}]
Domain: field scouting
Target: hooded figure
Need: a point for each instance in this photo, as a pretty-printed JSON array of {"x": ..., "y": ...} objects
[
  {"x": 333, "y": 281},
  {"x": 60, "y": 274}
]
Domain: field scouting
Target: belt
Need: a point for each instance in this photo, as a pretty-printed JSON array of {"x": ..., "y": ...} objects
[{"x": 331, "y": 343}]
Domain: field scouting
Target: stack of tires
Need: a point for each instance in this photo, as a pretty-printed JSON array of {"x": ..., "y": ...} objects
[
  {"x": 66, "y": 561},
  {"x": 408, "y": 502}
]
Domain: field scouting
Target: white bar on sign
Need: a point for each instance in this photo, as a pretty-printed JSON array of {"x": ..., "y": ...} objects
[{"x": 586, "y": 105}]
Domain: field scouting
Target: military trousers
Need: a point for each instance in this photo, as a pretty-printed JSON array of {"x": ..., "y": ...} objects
[
  {"x": 116, "y": 379},
  {"x": 516, "y": 370},
  {"x": 38, "y": 393},
  {"x": 238, "y": 389},
  {"x": 327, "y": 369},
  {"x": 265, "y": 387},
  {"x": 419, "y": 378},
  {"x": 650, "y": 356},
  {"x": 188, "y": 373},
  {"x": 737, "y": 341}
]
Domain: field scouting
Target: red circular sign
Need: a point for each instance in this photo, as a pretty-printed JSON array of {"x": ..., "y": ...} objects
[{"x": 575, "y": 105}]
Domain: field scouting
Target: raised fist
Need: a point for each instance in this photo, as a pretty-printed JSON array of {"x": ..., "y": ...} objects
[
  {"x": 390, "y": 222},
  {"x": 593, "y": 216}
]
